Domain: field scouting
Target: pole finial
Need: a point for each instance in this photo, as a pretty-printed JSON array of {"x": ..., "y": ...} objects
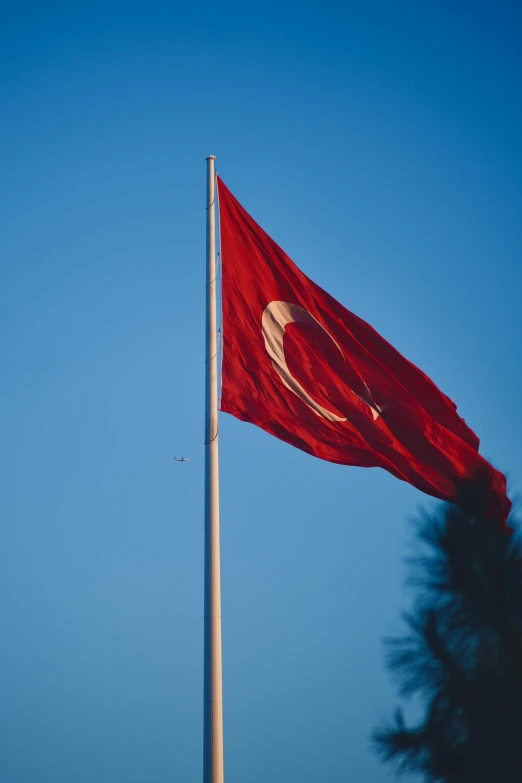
[{"x": 211, "y": 157}]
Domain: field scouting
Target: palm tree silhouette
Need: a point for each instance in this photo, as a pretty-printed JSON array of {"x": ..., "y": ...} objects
[{"x": 462, "y": 655}]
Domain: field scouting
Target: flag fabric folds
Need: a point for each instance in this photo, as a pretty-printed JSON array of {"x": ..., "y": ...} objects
[{"x": 304, "y": 368}]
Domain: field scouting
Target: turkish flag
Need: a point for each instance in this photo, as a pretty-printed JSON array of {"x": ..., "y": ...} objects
[{"x": 310, "y": 372}]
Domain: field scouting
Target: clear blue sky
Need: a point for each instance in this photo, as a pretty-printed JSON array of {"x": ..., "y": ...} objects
[{"x": 379, "y": 144}]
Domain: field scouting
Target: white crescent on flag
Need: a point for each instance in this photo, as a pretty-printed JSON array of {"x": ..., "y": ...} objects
[{"x": 275, "y": 318}]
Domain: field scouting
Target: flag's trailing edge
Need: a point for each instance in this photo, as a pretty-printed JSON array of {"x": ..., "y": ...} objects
[{"x": 307, "y": 370}]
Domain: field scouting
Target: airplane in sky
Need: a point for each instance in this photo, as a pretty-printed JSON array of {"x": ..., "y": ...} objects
[{"x": 182, "y": 459}]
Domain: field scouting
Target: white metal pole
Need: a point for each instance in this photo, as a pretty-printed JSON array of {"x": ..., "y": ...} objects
[{"x": 213, "y": 689}]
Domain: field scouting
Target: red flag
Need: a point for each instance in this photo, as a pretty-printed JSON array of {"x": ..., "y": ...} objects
[{"x": 310, "y": 372}]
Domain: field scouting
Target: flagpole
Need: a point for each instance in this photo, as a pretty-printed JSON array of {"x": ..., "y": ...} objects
[{"x": 213, "y": 686}]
